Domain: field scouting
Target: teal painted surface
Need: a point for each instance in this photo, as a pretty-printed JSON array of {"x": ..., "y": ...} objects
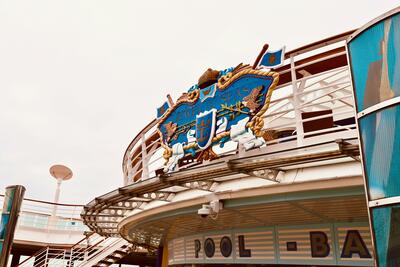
[
  {"x": 5, "y": 216},
  {"x": 5, "y": 226},
  {"x": 8, "y": 200},
  {"x": 386, "y": 222},
  {"x": 394, "y": 55},
  {"x": 380, "y": 132},
  {"x": 375, "y": 62},
  {"x": 362, "y": 56}
]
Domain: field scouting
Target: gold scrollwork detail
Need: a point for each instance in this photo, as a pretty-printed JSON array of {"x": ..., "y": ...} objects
[
  {"x": 256, "y": 125},
  {"x": 167, "y": 153},
  {"x": 193, "y": 95}
]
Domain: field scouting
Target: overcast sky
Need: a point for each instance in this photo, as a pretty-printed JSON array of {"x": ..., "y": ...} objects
[{"x": 79, "y": 79}]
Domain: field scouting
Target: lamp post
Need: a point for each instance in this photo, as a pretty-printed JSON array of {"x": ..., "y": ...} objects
[{"x": 60, "y": 173}]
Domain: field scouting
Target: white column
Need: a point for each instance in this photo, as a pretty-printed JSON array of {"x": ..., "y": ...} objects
[{"x": 56, "y": 197}]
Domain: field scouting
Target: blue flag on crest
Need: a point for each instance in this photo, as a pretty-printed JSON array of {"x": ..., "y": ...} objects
[
  {"x": 161, "y": 110},
  {"x": 273, "y": 59}
]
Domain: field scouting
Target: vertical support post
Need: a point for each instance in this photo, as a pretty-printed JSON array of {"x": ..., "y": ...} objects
[
  {"x": 170, "y": 101},
  {"x": 71, "y": 258},
  {"x": 37, "y": 261},
  {"x": 165, "y": 256},
  {"x": 145, "y": 167},
  {"x": 46, "y": 257},
  {"x": 11, "y": 207},
  {"x": 15, "y": 260},
  {"x": 159, "y": 260},
  {"x": 56, "y": 197},
  {"x": 128, "y": 170},
  {"x": 64, "y": 255},
  {"x": 296, "y": 104}
]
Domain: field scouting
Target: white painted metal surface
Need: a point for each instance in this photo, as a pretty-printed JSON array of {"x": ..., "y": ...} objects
[
  {"x": 89, "y": 251},
  {"x": 36, "y": 224}
]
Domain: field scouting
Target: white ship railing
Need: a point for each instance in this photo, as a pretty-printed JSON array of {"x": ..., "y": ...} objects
[
  {"x": 37, "y": 215},
  {"x": 294, "y": 106},
  {"x": 86, "y": 252}
]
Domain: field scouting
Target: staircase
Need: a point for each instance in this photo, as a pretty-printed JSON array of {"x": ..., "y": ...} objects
[
  {"x": 113, "y": 251},
  {"x": 94, "y": 250}
]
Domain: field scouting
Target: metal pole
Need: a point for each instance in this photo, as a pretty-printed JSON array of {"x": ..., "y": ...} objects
[
  {"x": 56, "y": 197},
  {"x": 15, "y": 260},
  {"x": 46, "y": 257},
  {"x": 296, "y": 104},
  {"x": 70, "y": 262}
]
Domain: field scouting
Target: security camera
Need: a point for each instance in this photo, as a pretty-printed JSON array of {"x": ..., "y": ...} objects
[
  {"x": 204, "y": 211},
  {"x": 210, "y": 209}
]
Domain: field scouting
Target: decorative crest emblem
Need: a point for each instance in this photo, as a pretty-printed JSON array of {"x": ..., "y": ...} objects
[{"x": 224, "y": 106}]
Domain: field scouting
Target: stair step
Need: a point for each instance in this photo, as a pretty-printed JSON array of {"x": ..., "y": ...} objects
[
  {"x": 114, "y": 258},
  {"x": 109, "y": 260},
  {"x": 121, "y": 253},
  {"x": 110, "y": 255}
]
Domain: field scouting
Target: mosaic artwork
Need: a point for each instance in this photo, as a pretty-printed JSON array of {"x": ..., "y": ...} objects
[{"x": 375, "y": 61}]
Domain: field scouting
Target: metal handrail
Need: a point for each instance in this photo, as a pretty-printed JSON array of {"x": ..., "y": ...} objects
[
  {"x": 33, "y": 256},
  {"x": 97, "y": 249},
  {"x": 47, "y": 248},
  {"x": 50, "y": 203},
  {"x": 37, "y": 214}
]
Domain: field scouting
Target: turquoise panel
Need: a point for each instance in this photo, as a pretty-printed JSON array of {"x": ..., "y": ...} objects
[
  {"x": 5, "y": 218},
  {"x": 386, "y": 222},
  {"x": 380, "y": 133},
  {"x": 375, "y": 61}
]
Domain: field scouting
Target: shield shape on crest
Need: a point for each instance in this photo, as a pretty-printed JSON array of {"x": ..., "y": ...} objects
[{"x": 205, "y": 128}]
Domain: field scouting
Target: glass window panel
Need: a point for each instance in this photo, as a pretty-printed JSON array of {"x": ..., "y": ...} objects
[
  {"x": 375, "y": 59},
  {"x": 386, "y": 222},
  {"x": 380, "y": 133}
]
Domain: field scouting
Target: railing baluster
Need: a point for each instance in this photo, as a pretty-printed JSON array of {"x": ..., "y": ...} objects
[
  {"x": 145, "y": 167},
  {"x": 296, "y": 104},
  {"x": 46, "y": 258}
]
